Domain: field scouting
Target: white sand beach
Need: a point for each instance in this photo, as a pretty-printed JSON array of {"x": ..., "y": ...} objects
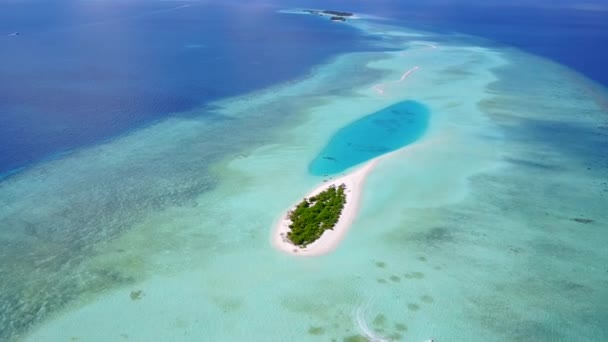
[{"x": 330, "y": 239}]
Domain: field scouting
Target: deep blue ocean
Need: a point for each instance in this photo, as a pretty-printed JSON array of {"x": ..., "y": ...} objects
[{"x": 83, "y": 72}]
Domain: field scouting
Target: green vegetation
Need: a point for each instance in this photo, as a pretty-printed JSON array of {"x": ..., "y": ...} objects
[
  {"x": 316, "y": 330},
  {"x": 316, "y": 214},
  {"x": 135, "y": 295}
]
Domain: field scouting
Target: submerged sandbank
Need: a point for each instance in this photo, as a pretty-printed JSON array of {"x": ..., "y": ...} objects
[{"x": 330, "y": 239}]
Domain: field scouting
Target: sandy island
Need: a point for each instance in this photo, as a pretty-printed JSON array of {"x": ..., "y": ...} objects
[
  {"x": 354, "y": 182},
  {"x": 330, "y": 238}
]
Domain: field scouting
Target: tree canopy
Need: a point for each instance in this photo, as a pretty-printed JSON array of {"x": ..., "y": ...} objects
[{"x": 314, "y": 215}]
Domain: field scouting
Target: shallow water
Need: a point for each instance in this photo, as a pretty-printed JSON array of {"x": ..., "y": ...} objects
[
  {"x": 384, "y": 131},
  {"x": 489, "y": 227}
]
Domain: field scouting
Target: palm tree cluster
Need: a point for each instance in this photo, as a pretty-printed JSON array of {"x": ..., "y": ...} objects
[{"x": 314, "y": 215}]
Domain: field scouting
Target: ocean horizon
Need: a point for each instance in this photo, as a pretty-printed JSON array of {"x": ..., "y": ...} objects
[{"x": 149, "y": 148}]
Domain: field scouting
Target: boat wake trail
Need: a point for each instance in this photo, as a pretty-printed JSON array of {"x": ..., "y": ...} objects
[
  {"x": 407, "y": 73},
  {"x": 380, "y": 88},
  {"x": 364, "y": 328},
  {"x": 369, "y": 334},
  {"x": 166, "y": 10}
]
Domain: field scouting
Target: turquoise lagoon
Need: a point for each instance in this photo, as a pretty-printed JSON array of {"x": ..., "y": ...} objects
[
  {"x": 387, "y": 130},
  {"x": 491, "y": 226}
]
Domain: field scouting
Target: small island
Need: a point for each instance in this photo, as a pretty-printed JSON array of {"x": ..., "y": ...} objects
[
  {"x": 333, "y": 15},
  {"x": 316, "y": 225},
  {"x": 316, "y": 214},
  {"x": 338, "y": 13}
]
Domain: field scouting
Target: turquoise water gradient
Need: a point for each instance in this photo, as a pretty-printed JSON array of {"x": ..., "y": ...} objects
[
  {"x": 371, "y": 136},
  {"x": 492, "y": 226}
]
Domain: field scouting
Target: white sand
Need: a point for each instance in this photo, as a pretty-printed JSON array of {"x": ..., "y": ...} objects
[{"x": 330, "y": 239}]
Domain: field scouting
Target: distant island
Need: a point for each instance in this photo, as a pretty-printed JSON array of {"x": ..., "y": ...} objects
[
  {"x": 334, "y": 15},
  {"x": 315, "y": 214},
  {"x": 338, "y": 13}
]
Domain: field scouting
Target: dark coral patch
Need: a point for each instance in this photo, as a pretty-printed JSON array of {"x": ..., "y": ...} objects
[
  {"x": 316, "y": 331},
  {"x": 400, "y": 326},
  {"x": 427, "y": 299}
]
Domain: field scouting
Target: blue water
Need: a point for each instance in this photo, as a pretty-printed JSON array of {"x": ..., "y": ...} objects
[
  {"x": 570, "y": 32},
  {"x": 371, "y": 136},
  {"x": 81, "y": 72},
  {"x": 566, "y": 33}
]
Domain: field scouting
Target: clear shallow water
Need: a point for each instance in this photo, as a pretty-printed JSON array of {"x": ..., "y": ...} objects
[
  {"x": 491, "y": 227},
  {"x": 387, "y": 130}
]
